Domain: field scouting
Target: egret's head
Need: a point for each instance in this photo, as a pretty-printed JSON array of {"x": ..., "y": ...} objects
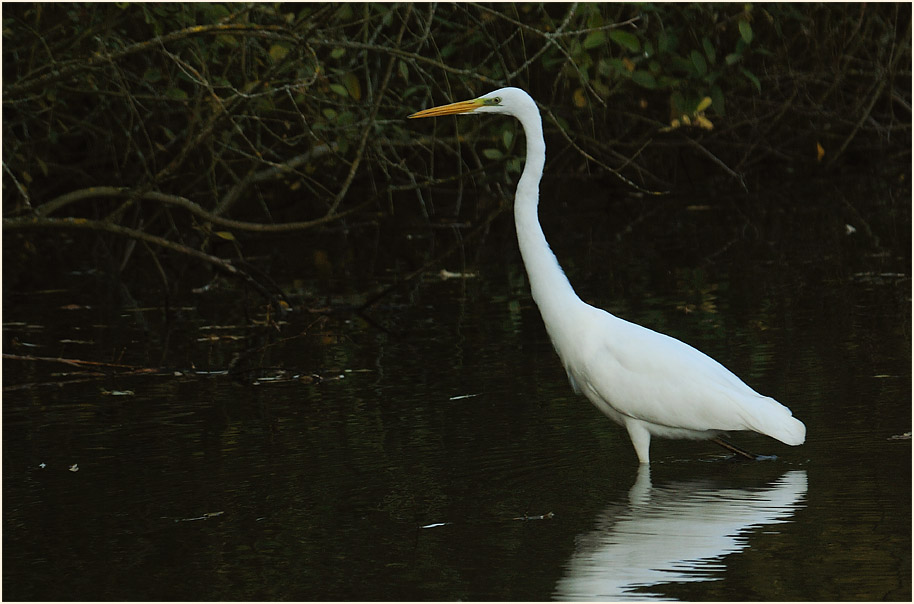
[{"x": 509, "y": 101}]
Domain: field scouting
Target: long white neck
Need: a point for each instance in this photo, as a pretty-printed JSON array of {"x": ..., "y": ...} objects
[{"x": 551, "y": 290}]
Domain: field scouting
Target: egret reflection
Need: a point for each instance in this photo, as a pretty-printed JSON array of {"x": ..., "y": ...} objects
[{"x": 675, "y": 533}]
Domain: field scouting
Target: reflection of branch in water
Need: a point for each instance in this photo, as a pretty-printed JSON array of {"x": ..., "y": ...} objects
[{"x": 670, "y": 534}]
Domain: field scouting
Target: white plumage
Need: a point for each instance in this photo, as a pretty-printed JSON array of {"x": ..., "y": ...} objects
[{"x": 652, "y": 384}]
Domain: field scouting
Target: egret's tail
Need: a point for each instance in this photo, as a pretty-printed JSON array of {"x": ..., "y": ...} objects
[
  {"x": 791, "y": 432},
  {"x": 775, "y": 420}
]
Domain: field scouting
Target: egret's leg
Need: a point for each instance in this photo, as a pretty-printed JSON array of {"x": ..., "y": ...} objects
[
  {"x": 641, "y": 439},
  {"x": 734, "y": 449}
]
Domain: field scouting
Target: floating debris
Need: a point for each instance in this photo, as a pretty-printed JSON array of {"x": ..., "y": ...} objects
[
  {"x": 445, "y": 275},
  {"x": 74, "y": 468},
  {"x": 547, "y": 516},
  {"x": 205, "y": 516},
  {"x": 462, "y": 396}
]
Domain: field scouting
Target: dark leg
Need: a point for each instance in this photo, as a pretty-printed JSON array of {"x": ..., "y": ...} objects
[{"x": 734, "y": 449}]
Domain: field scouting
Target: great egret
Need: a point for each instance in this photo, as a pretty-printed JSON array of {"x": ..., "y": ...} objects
[{"x": 649, "y": 382}]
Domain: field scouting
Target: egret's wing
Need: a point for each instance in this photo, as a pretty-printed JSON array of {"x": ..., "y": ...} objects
[{"x": 653, "y": 377}]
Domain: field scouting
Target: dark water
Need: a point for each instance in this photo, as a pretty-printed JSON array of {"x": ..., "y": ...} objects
[{"x": 443, "y": 456}]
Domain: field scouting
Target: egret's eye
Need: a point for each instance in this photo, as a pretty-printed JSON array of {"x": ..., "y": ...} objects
[{"x": 497, "y": 100}]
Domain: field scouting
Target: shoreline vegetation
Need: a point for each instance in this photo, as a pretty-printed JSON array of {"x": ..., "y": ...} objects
[{"x": 186, "y": 130}]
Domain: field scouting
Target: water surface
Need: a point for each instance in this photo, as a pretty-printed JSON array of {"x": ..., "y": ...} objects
[{"x": 433, "y": 450}]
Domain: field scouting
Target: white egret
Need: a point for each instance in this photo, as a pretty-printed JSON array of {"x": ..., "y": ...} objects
[{"x": 651, "y": 383}]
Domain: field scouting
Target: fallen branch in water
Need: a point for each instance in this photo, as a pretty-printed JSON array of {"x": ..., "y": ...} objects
[{"x": 109, "y": 227}]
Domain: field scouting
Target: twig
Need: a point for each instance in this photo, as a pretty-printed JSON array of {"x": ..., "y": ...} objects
[
  {"x": 94, "y": 192},
  {"x": 369, "y": 126},
  {"x": 77, "y": 362}
]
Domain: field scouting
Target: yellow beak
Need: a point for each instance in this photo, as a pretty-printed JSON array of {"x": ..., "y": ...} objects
[{"x": 452, "y": 109}]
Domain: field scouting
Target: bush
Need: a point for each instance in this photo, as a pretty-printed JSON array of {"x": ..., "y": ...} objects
[{"x": 158, "y": 122}]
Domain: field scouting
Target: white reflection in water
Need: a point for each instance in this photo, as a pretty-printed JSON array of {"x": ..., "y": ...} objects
[{"x": 675, "y": 533}]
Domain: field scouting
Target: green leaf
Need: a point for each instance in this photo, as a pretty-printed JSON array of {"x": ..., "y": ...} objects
[
  {"x": 644, "y": 79},
  {"x": 404, "y": 70},
  {"x": 152, "y": 75},
  {"x": 745, "y": 31},
  {"x": 278, "y": 52},
  {"x": 507, "y": 137},
  {"x": 751, "y": 77},
  {"x": 667, "y": 42},
  {"x": 733, "y": 58},
  {"x": 717, "y": 100},
  {"x": 698, "y": 60},
  {"x": 677, "y": 101},
  {"x": 492, "y": 154},
  {"x": 625, "y": 39},
  {"x": 337, "y": 53},
  {"x": 339, "y": 89},
  {"x": 594, "y": 39},
  {"x": 176, "y": 94},
  {"x": 353, "y": 85},
  {"x": 709, "y": 50}
]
